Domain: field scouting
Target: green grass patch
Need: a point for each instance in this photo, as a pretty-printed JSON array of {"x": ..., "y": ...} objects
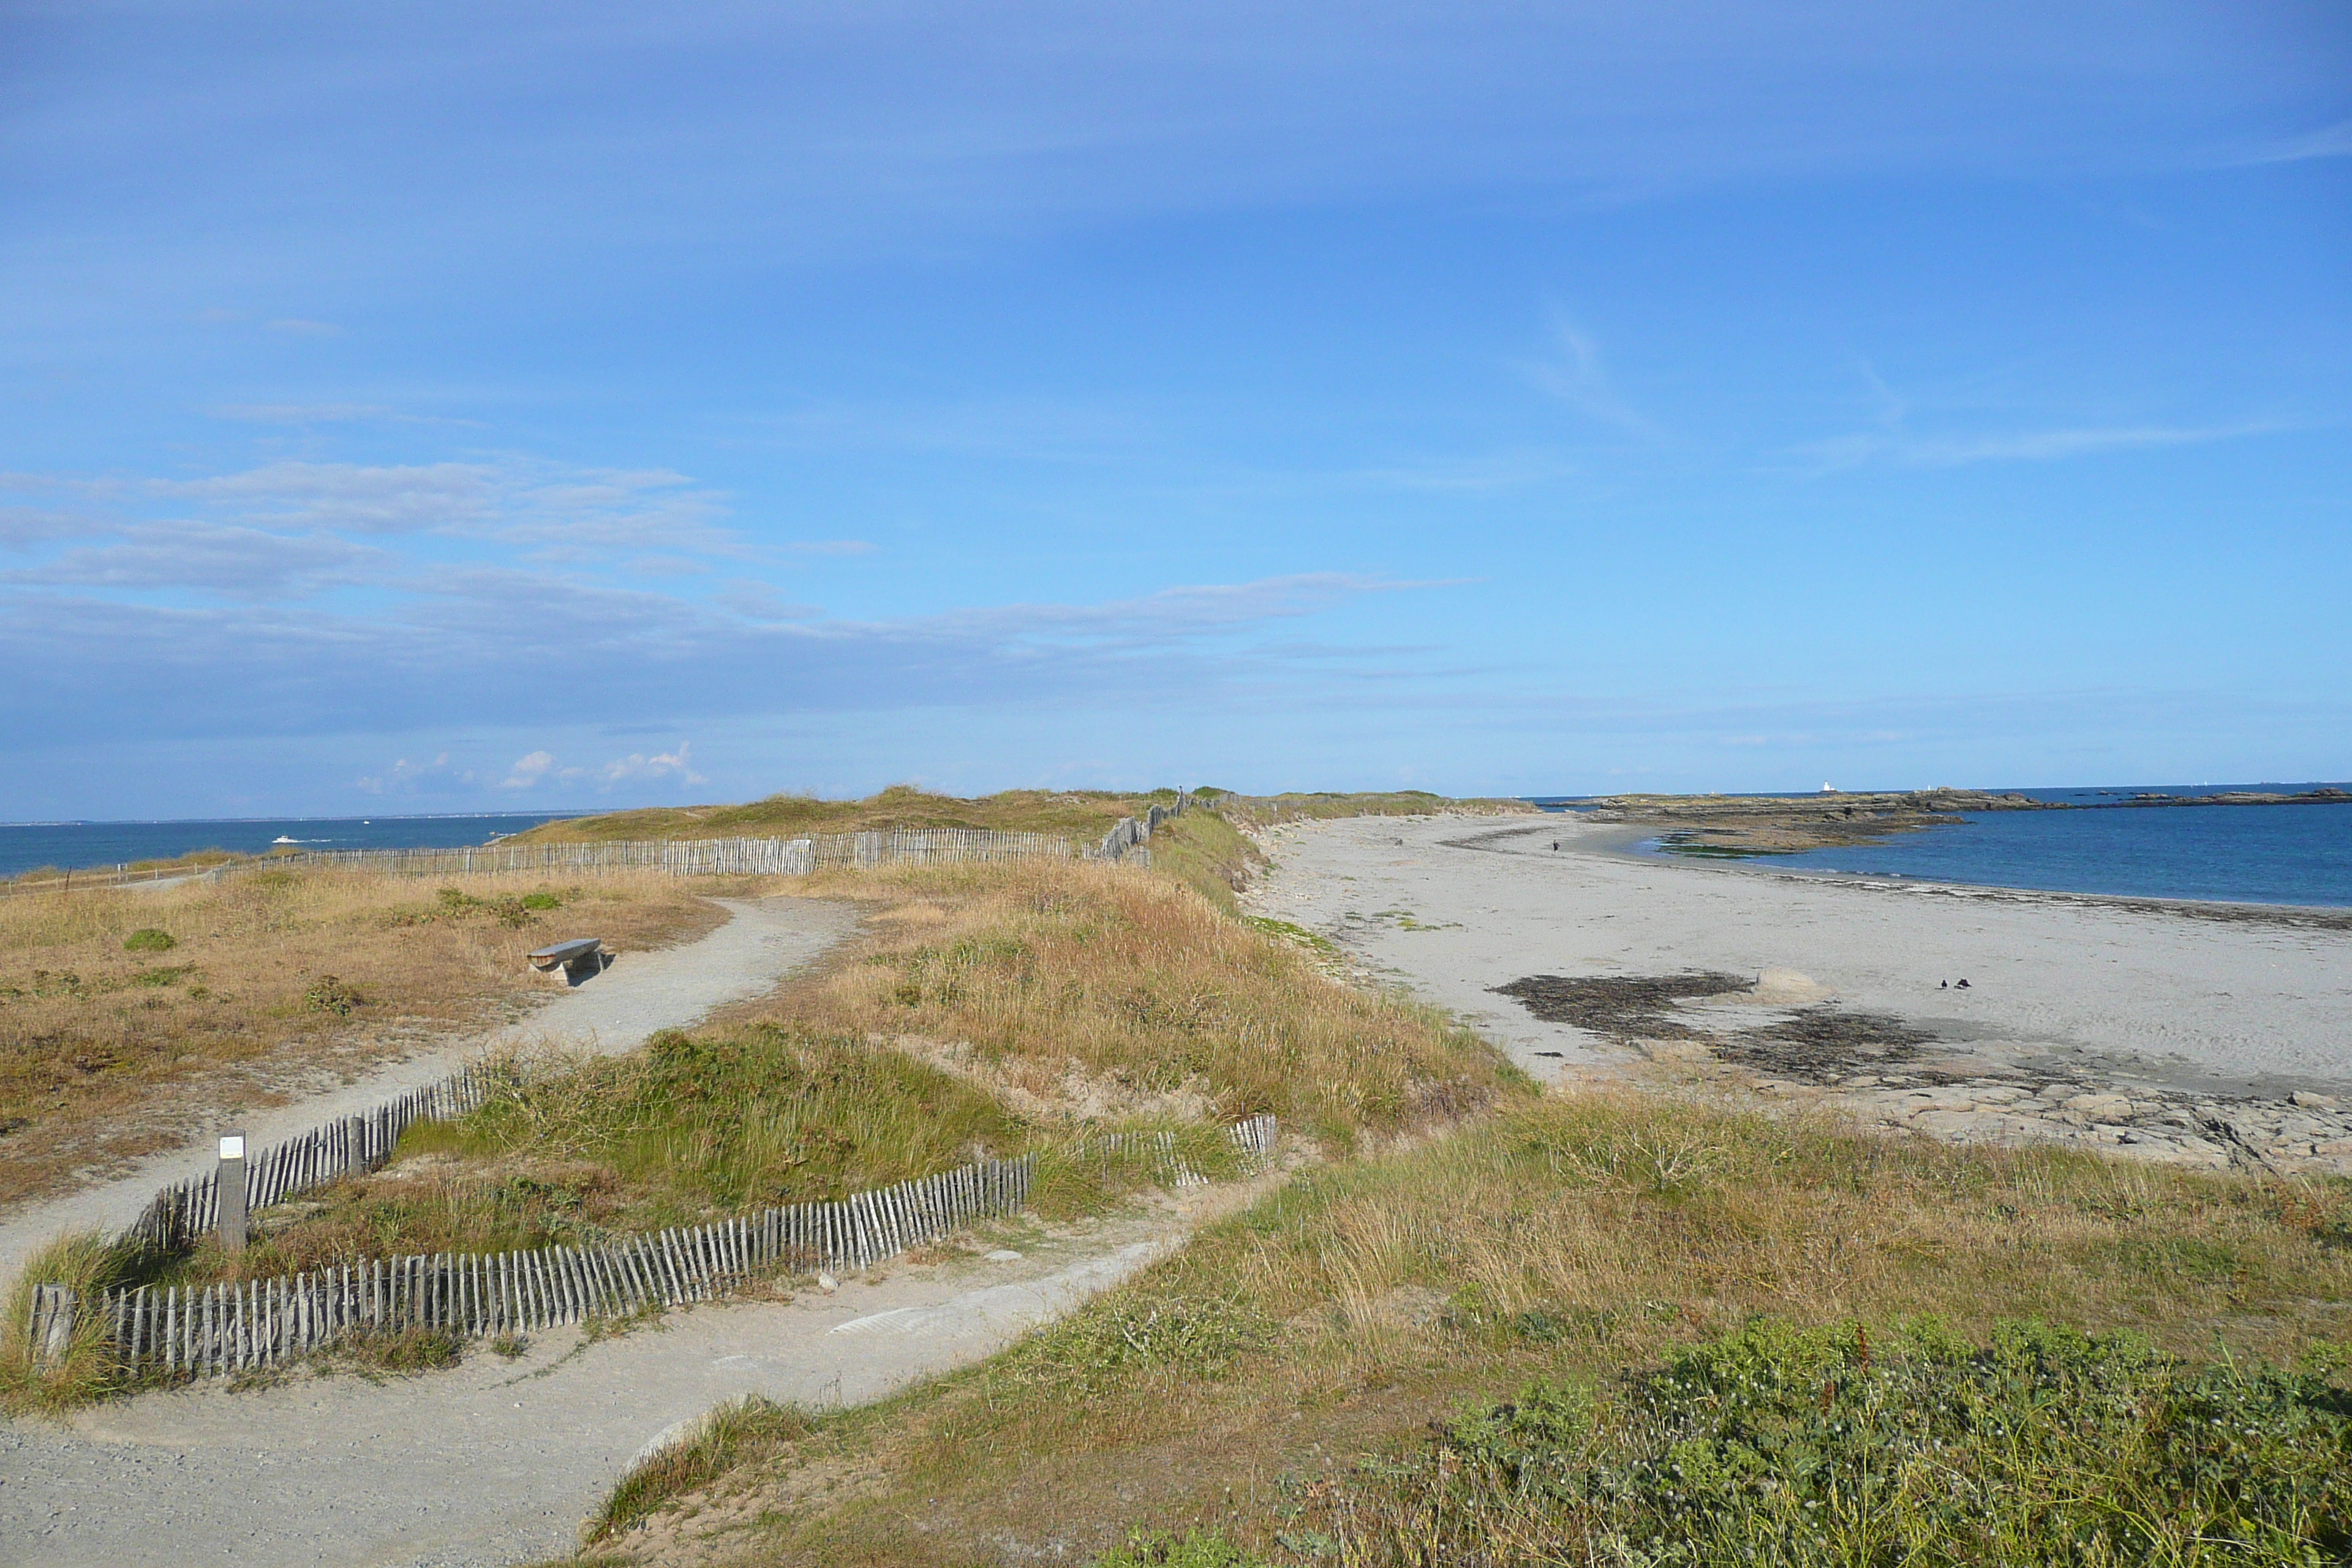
[
  {"x": 149, "y": 940},
  {"x": 574, "y": 1150},
  {"x": 1911, "y": 1446}
]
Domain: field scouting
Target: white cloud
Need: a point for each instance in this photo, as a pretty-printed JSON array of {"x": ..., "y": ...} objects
[
  {"x": 296, "y": 327},
  {"x": 637, "y": 767},
  {"x": 404, "y": 777},
  {"x": 527, "y": 771}
]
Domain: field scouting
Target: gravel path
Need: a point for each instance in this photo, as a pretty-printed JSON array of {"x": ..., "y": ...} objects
[
  {"x": 643, "y": 992},
  {"x": 497, "y": 1462}
]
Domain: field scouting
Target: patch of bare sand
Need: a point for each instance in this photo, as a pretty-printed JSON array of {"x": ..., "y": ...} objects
[{"x": 2126, "y": 1025}]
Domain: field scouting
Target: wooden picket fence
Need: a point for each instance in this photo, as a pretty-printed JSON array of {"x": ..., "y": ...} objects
[
  {"x": 1126, "y": 839},
  {"x": 706, "y": 857},
  {"x": 222, "y": 1330},
  {"x": 180, "y": 1213},
  {"x": 240, "y": 1327}
]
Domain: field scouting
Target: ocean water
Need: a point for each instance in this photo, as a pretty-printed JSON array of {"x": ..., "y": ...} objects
[
  {"x": 2230, "y": 854},
  {"x": 78, "y": 845}
]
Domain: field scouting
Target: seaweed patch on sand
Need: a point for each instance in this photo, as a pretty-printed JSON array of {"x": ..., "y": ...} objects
[
  {"x": 1623, "y": 1007},
  {"x": 1823, "y": 1045}
]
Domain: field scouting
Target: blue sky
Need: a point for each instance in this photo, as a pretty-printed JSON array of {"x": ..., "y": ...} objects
[{"x": 416, "y": 407}]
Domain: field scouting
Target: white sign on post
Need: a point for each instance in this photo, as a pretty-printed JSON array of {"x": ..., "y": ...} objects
[{"x": 228, "y": 1192}]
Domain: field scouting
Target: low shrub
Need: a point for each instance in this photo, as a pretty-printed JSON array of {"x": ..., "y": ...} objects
[{"x": 1910, "y": 1446}]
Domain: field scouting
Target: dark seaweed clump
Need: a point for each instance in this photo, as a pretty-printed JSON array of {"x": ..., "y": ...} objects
[
  {"x": 1821, "y": 1045},
  {"x": 1622, "y": 1006}
]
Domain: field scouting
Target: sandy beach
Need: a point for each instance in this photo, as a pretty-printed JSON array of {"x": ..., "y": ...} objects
[{"x": 2160, "y": 1032}]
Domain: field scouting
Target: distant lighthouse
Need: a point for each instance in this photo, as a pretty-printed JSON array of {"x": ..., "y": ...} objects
[{"x": 1828, "y": 788}]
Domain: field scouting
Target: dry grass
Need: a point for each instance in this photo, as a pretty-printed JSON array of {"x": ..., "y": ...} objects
[
  {"x": 1236, "y": 1387},
  {"x": 1080, "y": 816},
  {"x": 105, "y": 1052},
  {"x": 1098, "y": 992},
  {"x": 990, "y": 1009},
  {"x": 1253, "y": 811}
]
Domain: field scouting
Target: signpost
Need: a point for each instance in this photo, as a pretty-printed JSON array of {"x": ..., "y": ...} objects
[{"x": 230, "y": 1187}]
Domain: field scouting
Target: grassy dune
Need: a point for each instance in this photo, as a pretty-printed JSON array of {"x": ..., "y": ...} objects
[
  {"x": 122, "y": 1010},
  {"x": 991, "y": 1010},
  {"x": 1101, "y": 990},
  {"x": 1623, "y": 1330}
]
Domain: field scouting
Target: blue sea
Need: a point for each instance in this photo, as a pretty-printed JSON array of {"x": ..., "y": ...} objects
[
  {"x": 75, "y": 846},
  {"x": 2230, "y": 854}
]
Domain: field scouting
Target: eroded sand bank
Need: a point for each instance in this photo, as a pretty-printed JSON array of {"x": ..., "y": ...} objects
[{"x": 2154, "y": 1031}]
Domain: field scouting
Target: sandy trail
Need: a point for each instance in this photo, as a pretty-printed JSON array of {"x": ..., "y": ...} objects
[
  {"x": 765, "y": 939},
  {"x": 497, "y": 1462},
  {"x": 1458, "y": 906}
]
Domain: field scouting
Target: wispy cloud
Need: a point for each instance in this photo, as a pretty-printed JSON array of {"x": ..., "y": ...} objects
[
  {"x": 513, "y": 501},
  {"x": 1576, "y": 375},
  {"x": 2327, "y": 142},
  {"x": 296, "y": 327},
  {"x": 310, "y": 414},
  {"x": 647, "y": 655},
  {"x": 238, "y": 563},
  {"x": 1900, "y": 447},
  {"x": 1891, "y": 439}
]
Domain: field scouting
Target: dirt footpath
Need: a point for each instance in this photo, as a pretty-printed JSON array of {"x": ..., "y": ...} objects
[
  {"x": 497, "y": 1462},
  {"x": 765, "y": 939}
]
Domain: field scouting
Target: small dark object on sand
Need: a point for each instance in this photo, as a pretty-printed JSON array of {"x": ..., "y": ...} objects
[
  {"x": 1551, "y": 1053},
  {"x": 1963, "y": 986}
]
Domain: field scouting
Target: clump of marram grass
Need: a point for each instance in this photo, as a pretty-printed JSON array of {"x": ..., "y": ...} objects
[
  {"x": 88, "y": 1264},
  {"x": 732, "y": 1434},
  {"x": 1043, "y": 974}
]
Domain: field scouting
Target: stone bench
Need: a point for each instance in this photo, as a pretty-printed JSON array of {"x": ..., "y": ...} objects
[{"x": 577, "y": 960}]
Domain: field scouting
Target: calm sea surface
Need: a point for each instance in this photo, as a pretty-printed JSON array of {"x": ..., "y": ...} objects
[
  {"x": 2233, "y": 854},
  {"x": 76, "y": 844}
]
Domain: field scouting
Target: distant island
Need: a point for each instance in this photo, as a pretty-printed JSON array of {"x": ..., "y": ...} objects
[{"x": 1739, "y": 826}]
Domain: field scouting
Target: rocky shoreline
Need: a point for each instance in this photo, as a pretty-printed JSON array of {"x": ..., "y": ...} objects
[{"x": 1885, "y": 1072}]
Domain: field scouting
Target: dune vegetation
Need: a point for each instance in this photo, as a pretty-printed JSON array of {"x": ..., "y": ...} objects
[
  {"x": 123, "y": 1011},
  {"x": 1623, "y": 1328}
]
